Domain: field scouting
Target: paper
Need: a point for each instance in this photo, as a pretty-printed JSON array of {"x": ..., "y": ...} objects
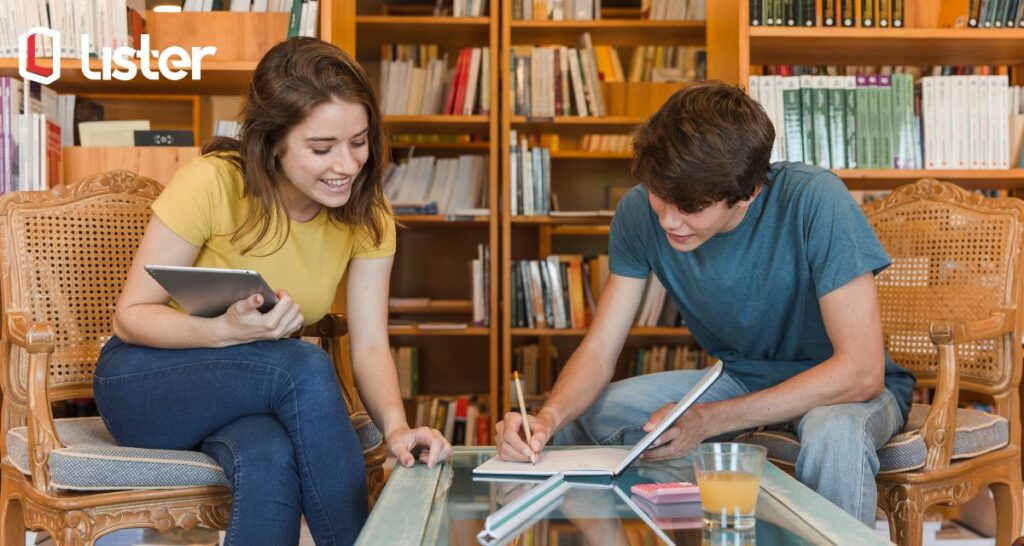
[{"x": 597, "y": 461}]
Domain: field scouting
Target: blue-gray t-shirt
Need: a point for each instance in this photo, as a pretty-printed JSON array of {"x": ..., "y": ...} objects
[{"x": 750, "y": 295}]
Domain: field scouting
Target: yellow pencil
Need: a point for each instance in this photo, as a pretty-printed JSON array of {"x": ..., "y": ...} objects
[{"x": 522, "y": 409}]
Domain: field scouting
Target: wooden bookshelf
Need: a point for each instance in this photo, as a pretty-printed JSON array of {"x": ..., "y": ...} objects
[
  {"x": 901, "y": 46},
  {"x": 609, "y": 31},
  {"x": 434, "y": 306},
  {"x": 531, "y": 237},
  {"x": 437, "y": 237},
  {"x": 156, "y": 162}
]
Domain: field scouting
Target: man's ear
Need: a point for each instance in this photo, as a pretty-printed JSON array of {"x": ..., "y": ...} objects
[{"x": 746, "y": 202}]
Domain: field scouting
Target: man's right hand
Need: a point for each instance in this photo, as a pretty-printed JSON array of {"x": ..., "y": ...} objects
[{"x": 510, "y": 437}]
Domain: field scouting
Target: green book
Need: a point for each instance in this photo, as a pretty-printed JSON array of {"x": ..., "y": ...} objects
[
  {"x": 821, "y": 125},
  {"x": 295, "y": 19},
  {"x": 865, "y": 145},
  {"x": 791, "y": 116},
  {"x": 837, "y": 122},
  {"x": 850, "y": 95},
  {"x": 807, "y": 118},
  {"x": 885, "y": 122}
]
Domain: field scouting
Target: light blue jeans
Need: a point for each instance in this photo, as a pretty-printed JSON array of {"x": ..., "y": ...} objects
[{"x": 838, "y": 454}]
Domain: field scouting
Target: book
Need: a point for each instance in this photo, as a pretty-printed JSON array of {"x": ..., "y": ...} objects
[{"x": 600, "y": 461}]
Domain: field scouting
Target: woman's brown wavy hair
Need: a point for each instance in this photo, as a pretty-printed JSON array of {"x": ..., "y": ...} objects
[{"x": 292, "y": 79}]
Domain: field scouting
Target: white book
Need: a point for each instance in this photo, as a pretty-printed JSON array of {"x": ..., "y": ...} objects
[
  {"x": 600, "y": 461},
  {"x": 312, "y": 23},
  {"x": 577, "y": 84},
  {"x": 513, "y": 166},
  {"x": 975, "y": 111},
  {"x": 240, "y": 5},
  {"x": 557, "y": 291},
  {"x": 1000, "y": 102},
  {"x": 259, "y": 5},
  {"x": 589, "y": 65},
  {"x": 928, "y": 111},
  {"x": 526, "y": 170},
  {"x": 943, "y": 123},
  {"x": 961, "y": 125},
  {"x": 472, "y": 82}
]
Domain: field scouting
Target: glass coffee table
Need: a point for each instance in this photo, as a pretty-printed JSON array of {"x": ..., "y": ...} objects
[{"x": 447, "y": 506}]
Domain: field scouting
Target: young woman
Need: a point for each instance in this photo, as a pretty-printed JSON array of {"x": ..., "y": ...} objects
[{"x": 298, "y": 198}]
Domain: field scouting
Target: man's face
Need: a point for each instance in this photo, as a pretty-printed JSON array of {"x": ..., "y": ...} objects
[{"x": 687, "y": 231}]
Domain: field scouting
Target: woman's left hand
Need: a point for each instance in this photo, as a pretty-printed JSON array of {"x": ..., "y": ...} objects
[{"x": 434, "y": 446}]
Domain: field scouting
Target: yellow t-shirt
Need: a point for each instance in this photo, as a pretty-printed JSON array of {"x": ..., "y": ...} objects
[{"x": 203, "y": 205}]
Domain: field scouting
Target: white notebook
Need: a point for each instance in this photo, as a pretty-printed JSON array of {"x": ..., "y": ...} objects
[{"x": 599, "y": 461}]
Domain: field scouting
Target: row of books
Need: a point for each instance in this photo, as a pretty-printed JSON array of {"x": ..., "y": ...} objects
[
  {"x": 556, "y": 10},
  {"x": 303, "y": 20},
  {"x": 606, "y": 143},
  {"x": 982, "y": 13},
  {"x": 526, "y": 361},
  {"x": 462, "y": 419},
  {"x": 480, "y": 272},
  {"x": 847, "y": 13},
  {"x": 673, "y": 10},
  {"x": 530, "y": 175},
  {"x": 428, "y": 87},
  {"x": 666, "y": 64},
  {"x": 664, "y": 358},
  {"x": 562, "y": 291},
  {"x": 109, "y": 23},
  {"x": 884, "y": 121},
  {"x": 431, "y": 185},
  {"x": 30, "y": 136},
  {"x": 557, "y": 80}
]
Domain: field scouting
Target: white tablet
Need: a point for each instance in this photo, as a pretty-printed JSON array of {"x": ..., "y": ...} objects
[{"x": 209, "y": 292}]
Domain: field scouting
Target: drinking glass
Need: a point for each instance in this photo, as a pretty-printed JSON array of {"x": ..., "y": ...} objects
[{"x": 729, "y": 477}]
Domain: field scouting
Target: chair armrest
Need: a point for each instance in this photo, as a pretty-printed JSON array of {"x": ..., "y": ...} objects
[
  {"x": 940, "y": 424},
  {"x": 37, "y": 340},
  {"x": 332, "y": 325},
  {"x": 997, "y": 324},
  {"x": 33, "y": 337}
]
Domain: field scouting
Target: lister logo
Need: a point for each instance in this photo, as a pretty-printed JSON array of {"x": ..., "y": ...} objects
[{"x": 121, "y": 63}]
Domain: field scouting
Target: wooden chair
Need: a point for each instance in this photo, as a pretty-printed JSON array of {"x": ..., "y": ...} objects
[
  {"x": 951, "y": 314},
  {"x": 64, "y": 256}
]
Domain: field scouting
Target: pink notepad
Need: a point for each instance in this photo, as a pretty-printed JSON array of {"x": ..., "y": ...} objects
[{"x": 659, "y": 493}]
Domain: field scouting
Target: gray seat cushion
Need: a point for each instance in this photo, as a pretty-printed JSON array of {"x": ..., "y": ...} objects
[
  {"x": 977, "y": 432},
  {"x": 92, "y": 460}
]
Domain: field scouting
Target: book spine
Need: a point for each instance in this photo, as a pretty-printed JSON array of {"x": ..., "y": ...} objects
[
  {"x": 867, "y": 13},
  {"x": 828, "y": 13},
  {"x": 792, "y": 116},
  {"x": 850, "y": 123},
  {"x": 836, "y": 122},
  {"x": 807, "y": 119},
  {"x": 821, "y": 111}
]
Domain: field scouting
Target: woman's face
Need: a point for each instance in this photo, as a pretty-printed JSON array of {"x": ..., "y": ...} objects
[{"x": 322, "y": 156}]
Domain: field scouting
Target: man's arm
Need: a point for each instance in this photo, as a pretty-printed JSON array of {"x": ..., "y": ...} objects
[
  {"x": 854, "y": 373},
  {"x": 585, "y": 375}
]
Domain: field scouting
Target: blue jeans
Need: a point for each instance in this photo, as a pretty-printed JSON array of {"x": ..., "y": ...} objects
[
  {"x": 271, "y": 413},
  {"x": 838, "y": 444}
]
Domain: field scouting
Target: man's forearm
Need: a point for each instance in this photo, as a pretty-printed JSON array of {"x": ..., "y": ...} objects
[{"x": 834, "y": 381}]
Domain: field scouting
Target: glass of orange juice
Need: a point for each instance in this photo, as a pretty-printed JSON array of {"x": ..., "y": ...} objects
[{"x": 729, "y": 477}]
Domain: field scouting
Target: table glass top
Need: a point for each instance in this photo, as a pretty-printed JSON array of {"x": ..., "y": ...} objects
[{"x": 603, "y": 511}]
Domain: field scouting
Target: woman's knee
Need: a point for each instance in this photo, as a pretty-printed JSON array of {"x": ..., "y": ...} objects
[{"x": 257, "y": 445}]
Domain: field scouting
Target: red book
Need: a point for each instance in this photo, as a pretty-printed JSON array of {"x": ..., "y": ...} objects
[
  {"x": 462, "y": 76},
  {"x": 453, "y": 90},
  {"x": 483, "y": 430}
]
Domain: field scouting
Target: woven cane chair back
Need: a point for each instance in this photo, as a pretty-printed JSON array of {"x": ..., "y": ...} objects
[
  {"x": 956, "y": 256},
  {"x": 66, "y": 257}
]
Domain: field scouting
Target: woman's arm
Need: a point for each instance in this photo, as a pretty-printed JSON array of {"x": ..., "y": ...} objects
[
  {"x": 142, "y": 316},
  {"x": 373, "y": 367}
]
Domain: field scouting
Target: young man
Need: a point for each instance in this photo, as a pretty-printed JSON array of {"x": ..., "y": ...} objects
[{"x": 772, "y": 267}]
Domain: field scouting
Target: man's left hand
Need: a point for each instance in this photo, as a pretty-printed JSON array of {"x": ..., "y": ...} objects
[{"x": 685, "y": 434}]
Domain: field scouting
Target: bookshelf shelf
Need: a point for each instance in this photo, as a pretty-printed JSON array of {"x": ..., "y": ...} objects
[
  {"x": 438, "y": 124},
  {"x": 911, "y": 46},
  {"x": 620, "y": 32},
  {"x": 435, "y": 306},
  {"x": 216, "y": 78},
  {"x": 444, "y": 146},
  {"x": 441, "y": 220},
  {"x": 884, "y": 179},
  {"x": 461, "y": 332},
  {"x": 591, "y": 156},
  {"x": 613, "y": 124},
  {"x": 449, "y": 31},
  {"x": 595, "y": 231},
  {"x": 646, "y": 331},
  {"x": 561, "y": 220}
]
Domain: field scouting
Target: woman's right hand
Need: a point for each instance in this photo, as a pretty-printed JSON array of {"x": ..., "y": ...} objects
[{"x": 244, "y": 323}]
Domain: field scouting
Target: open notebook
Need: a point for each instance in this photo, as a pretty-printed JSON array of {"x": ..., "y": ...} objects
[{"x": 599, "y": 461}]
